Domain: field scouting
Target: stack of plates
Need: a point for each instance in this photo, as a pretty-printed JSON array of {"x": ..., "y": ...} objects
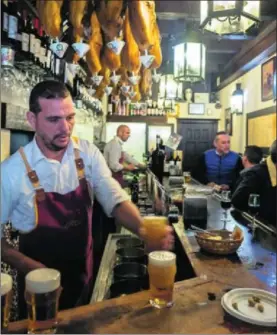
[{"x": 247, "y": 313}]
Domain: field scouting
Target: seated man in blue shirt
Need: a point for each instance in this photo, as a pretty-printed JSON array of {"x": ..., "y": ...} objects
[{"x": 219, "y": 166}]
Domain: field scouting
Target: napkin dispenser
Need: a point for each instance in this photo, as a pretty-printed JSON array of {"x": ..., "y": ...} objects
[{"x": 195, "y": 211}]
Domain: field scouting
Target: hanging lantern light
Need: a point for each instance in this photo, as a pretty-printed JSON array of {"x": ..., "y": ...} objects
[
  {"x": 170, "y": 90},
  {"x": 229, "y": 17},
  {"x": 237, "y": 100},
  {"x": 190, "y": 60}
]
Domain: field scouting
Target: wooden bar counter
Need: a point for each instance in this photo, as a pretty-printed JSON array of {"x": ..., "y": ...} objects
[{"x": 192, "y": 312}]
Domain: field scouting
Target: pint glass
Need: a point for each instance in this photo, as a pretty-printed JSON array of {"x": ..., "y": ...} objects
[
  {"x": 6, "y": 300},
  {"x": 42, "y": 292},
  {"x": 187, "y": 176},
  {"x": 155, "y": 229},
  {"x": 162, "y": 271}
]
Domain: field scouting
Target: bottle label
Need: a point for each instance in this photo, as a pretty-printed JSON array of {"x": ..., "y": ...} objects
[
  {"x": 5, "y": 22},
  {"x": 57, "y": 69},
  {"x": 42, "y": 55},
  {"x": 25, "y": 42},
  {"x": 13, "y": 24},
  {"x": 19, "y": 37},
  {"x": 48, "y": 59},
  {"x": 38, "y": 45},
  {"x": 7, "y": 56},
  {"x": 32, "y": 44}
]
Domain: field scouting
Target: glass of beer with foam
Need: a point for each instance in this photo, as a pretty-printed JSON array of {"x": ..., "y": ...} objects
[
  {"x": 162, "y": 271},
  {"x": 6, "y": 300},
  {"x": 187, "y": 177},
  {"x": 42, "y": 293},
  {"x": 154, "y": 229}
]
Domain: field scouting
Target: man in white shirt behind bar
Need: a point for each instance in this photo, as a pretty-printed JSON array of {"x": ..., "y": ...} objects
[{"x": 117, "y": 159}]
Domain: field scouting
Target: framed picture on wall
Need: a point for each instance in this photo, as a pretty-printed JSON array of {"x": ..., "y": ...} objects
[
  {"x": 197, "y": 109},
  {"x": 268, "y": 69},
  {"x": 229, "y": 121}
]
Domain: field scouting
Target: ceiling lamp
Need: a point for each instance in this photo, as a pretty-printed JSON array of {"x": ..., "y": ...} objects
[
  {"x": 229, "y": 17},
  {"x": 169, "y": 91},
  {"x": 237, "y": 100},
  {"x": 169, "y": 88},
  {"x": 190, "y": 60}
]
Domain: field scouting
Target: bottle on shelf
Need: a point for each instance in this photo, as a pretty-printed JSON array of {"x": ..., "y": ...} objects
[
  {"x": 157, "y": 162},
  {"x": 13, "y": 24},
  {"x": 33, "y": 34},
  {"x": 110, "y": 106},
  {"x": 25, "y": 39},
  {"x": 4, "y": 22}
]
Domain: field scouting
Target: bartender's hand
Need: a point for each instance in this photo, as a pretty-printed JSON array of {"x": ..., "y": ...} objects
[
  {"x": 129, "y": 167},
  {"x": 224, "y": 187},
  {"x": 167, "y": 243},
  {"x": 31, "y": 265},
  {"x": 142, "y": 166}
]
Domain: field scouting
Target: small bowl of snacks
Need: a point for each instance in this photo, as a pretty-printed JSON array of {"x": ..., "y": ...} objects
[{"x": 220, "y": 242}]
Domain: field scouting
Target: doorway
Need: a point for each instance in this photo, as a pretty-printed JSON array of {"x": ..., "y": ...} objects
[{"x": 198, "y": 136}]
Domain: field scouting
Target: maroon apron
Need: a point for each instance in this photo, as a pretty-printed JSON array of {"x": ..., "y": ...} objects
[
  {"x": 118, "y": 176},
  {"x": 62, "y": 238}
]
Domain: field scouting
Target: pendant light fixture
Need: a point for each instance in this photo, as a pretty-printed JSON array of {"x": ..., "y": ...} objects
[
  {"x": 229, "y": 17},
  {"x": 237, "y": 100},
  {"x": 190, "y": 59}
]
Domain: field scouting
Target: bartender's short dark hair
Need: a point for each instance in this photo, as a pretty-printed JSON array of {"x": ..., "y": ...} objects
[
  {"x": 273, "y": 152},
  {"x": 48, "y": 89},
  {"x": 254, "y": 154}
]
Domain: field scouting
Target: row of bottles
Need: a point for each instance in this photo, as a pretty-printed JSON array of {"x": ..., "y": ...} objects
[
  {"x": 26, "y": 37},
  {"x": 135, "y": 109}
]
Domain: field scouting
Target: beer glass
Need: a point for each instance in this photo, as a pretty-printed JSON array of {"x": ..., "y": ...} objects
[
  {"x": 187, "y": 177},
  {"x": 155, "y": 229},
  {"x": 6, "y": 300},
  {"x": 42, "y": 293},
  {"x": 162, "y": 271}
]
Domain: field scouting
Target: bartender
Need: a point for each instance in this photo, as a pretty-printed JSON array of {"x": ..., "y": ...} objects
[
  {"x": 117, "y": 159},
  {"x": 47, "y": 191}
]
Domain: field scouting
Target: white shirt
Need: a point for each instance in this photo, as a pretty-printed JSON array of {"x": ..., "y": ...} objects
[
  {"x": 17, "y": 193},
  {"x": 112, "y": 153}
]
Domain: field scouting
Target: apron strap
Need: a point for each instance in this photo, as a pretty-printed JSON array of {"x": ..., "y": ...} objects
[
  {"x": 32, "y": 175},
  {"x": 79, "y": 164},
  {"x": 80, "y": 167}
]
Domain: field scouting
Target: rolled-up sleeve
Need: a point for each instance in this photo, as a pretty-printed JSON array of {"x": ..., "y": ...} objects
[
  {"x": 129, "y": 159},
  {"x": 6, "y": 197},
  {"x": 106, "y": 189},
  {"x": 112, "y": 154}
]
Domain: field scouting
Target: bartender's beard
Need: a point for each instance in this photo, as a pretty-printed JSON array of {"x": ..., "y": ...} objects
[{"x": 51, "y": 144}]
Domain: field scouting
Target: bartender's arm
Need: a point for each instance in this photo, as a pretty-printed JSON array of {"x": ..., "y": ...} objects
[
  {"x": 112, "y": 154},
  {"x": 10, "y": 255},
  {"x": 115, "y": 200},
  {"x": 131, "y": 160}
]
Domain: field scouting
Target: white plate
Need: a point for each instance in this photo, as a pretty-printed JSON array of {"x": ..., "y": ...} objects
[{"x": 251, "y": 314}]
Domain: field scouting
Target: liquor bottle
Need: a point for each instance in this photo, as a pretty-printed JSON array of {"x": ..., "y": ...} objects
[
  {"x": 4, "y": 22},
  {"x": 25, "y": 37},
  {"x": 43, "y": 49},
  {"x": 37, "y": 42},
  {"x": 110, "y": 106},
  {"x": 13, "y": 24},
  {"x": 158, "y": 156},
  {"x": 32, "y": 34}
]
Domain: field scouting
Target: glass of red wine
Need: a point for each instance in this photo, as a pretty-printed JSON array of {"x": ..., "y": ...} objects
[
  {"x": 253, "y": 207},
  {"x": 225, "y": 201}
]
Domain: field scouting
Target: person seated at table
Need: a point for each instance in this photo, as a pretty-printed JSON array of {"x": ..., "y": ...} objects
[
  {"x": 260, "y": 179},
  {"x": 219, "y": 166},
  {"x": 251, "y": 157}
]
